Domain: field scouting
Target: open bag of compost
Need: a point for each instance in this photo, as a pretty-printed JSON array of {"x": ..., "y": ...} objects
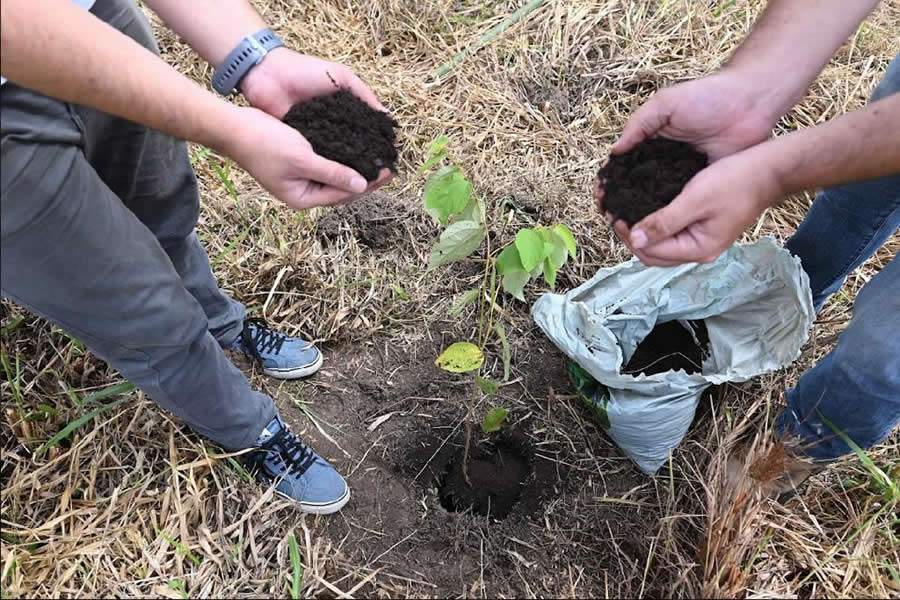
[{"x": 757, "y": 309}]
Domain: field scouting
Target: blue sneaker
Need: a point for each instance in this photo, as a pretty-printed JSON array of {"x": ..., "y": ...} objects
[
  {"x": 298, "y": 472},
  {"x": 281, "y": 356}
]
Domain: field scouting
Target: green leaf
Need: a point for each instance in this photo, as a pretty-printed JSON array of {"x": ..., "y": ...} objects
[
  {"x": 509, "y": 261},
  {"x": 464, "y": 300},
  {"x": 447, "y": 193},
  {"x": 493, "y": 420},
  {"x": 113, "y": 390},
  {"x": 296, "y": 567},
  {"x": 460, "y": 357},
  {"x": 505, "y": 353},
  {"x": 472, "y": 212},
  {"x": 549, "y": 272},
  {"x": 530, "y": 247},
  {"x": 889, "y": 488},
  {"x": 514, "y": 284},
  {"x": 436, "y": 152},
  {"x": 488, "y": 386},
  {"x": 555, "y": 252},
  {"x": 457, "y": 242},
  {"x": 568, "y": 239},
  {"x": 399, "y": 291}
]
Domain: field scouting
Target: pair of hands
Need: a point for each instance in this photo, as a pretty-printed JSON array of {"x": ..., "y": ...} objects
[
  {"x": 276, "y": 155},
  {"x": 723, "y": 116}
]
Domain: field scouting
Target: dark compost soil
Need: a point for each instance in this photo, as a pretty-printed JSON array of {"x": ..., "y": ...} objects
[
  {"x": 648, "y": 177},
  {"x": 343, "y": 128},
  {"x": 669, "y": 347},
  {"x": 497, "y": 471}
]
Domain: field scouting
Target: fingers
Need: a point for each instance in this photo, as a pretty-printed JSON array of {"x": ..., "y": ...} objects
[
  {"x": 332, "y": 174},
  {"x": 384, "y": 176},
  {"x": 363, "y": 92},
  {"x": 668, "y": 221},
  {"x": 643, "y": 124}
]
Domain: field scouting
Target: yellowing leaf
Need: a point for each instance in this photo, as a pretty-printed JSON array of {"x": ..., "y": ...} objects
[{"x": 460, "y": 357}]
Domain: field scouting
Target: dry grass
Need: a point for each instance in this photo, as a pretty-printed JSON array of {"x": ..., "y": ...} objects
[{"x": 132, "y": 504}]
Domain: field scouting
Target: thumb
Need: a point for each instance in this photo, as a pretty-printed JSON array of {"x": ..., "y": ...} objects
[
  {"x": 334, "y": 174},
  {"x": 643, "y": 124},
  {"x": 666, "y": 222}
]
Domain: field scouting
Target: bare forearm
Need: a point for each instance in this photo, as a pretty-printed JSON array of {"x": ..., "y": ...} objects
[
  {"x": 57, "y": 49},
  {"x": 859, "y": 145},
  {"x": 791, "y": 43},
  {"x": 211, "y": 27}
]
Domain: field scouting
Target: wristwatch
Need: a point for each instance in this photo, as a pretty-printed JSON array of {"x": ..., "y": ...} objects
[{"x": 246, "y": 55}]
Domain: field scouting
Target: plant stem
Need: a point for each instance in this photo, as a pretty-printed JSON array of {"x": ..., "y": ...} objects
[{"x": 468, "y": 443}]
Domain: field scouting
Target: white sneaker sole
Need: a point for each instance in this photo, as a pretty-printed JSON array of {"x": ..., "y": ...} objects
[
  {"x": 296, "y": 373},
  {"x": 320, "y": 509}
]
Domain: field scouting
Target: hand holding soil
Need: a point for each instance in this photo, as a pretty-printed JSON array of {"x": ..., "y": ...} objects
[
  {"x": 647, "y": 178},
  {"x": 343, "y": 128}
]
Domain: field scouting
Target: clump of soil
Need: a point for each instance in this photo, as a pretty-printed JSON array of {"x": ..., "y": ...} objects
[
  {"x": 497, "y": 471},
  {"x": 343, "y": 128},
  {"x": 670, "y": 346},
  {"x": 648, "y": 177},
  {"x": 372, "y": 220}
]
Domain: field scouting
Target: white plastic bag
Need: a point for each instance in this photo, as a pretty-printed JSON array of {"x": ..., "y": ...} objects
[{"x": 756, "y": 303}]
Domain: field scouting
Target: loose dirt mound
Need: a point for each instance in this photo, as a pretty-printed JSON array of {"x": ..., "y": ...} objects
[
  {"x": 497, "y": 472},
  {"x": 343, "y": 128},
  {"x": 648, "y": 177},
  {"x": 669, "y": 347},
  {"x": 372, "y": 220}
]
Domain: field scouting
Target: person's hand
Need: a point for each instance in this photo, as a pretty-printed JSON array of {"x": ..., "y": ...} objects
[
  {"x": 720, "y": 114},
  {"x": 283, "y": 162},
  {"x": 711, "y": 212},
  {"x": 285, "y": 77}
]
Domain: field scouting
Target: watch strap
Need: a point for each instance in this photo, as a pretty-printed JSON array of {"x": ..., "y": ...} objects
[{"x": 247, "y": 54}]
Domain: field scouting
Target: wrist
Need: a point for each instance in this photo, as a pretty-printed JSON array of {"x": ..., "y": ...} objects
[
  {"x": 764, "y": 91},
  {"x": 222, "y": 128},
  {"x": 262, "y": 76}
]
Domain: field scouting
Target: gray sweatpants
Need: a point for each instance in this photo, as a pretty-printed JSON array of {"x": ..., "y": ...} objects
[{"x": 97, "y": 232}]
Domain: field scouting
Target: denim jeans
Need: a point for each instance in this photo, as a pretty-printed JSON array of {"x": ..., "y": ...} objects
[{"x": 856, "y": 387}]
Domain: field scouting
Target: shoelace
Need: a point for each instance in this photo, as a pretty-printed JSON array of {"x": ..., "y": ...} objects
[
  {"x": 297, "y": 456},
  {"x": 258, "y": 337}
]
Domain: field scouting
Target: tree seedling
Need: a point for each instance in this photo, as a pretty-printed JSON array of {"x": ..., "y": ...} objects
[{"x": 533, "y": 252}]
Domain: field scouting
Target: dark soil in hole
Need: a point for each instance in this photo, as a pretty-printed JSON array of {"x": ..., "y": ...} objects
[
  {"x": 498, "y": 469},
  {"x": 669, "y": 347},
  {"x": 648, "y": 177},
  {"x": 343, "y": 128},
  {"x": 372, "y": 220}
]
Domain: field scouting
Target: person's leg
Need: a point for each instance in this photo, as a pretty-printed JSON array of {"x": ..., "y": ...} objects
[
  {"x": 152, "y": 175},
  {"x": 847, "y": 224},
  {"x": 856, "y": 386},
  {"x": 73, "y": 253}
]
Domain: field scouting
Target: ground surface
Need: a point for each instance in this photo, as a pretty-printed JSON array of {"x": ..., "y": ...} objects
[{"x": 130, "y": 503}]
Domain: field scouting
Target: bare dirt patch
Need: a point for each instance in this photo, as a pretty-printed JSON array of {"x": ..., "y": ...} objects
[
  {"x": 374, "y": 221},
  {"x": 398, "y": 421}
]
